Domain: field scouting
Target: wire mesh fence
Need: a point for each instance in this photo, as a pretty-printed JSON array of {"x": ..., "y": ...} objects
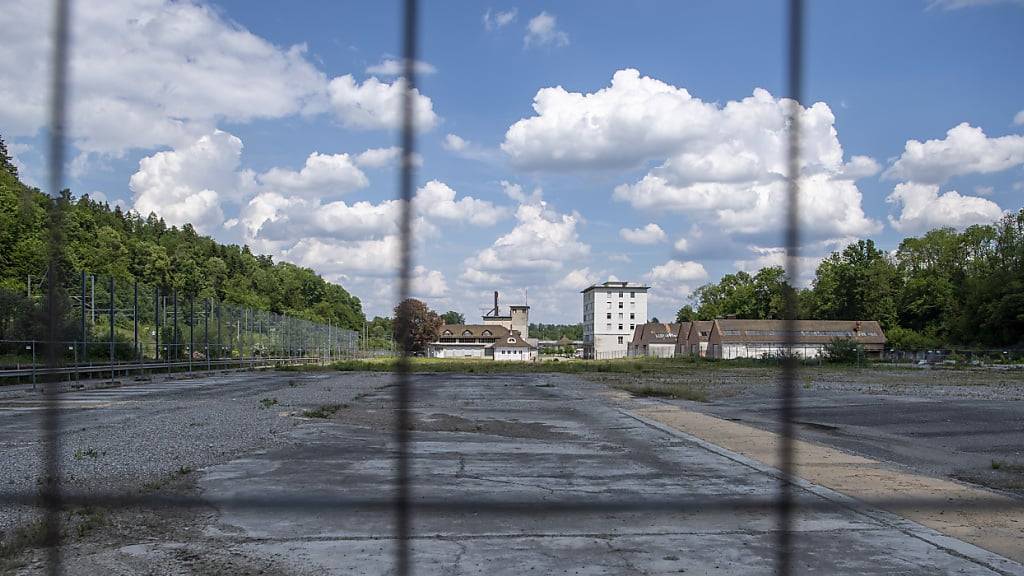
[
  {"x": 109, "y": 324},
  {"x": 104, "y": 321}
]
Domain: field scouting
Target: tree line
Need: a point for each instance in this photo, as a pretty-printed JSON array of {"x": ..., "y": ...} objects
[
  {"x": 945, "y": 288},
  {"x": 111, "y": 242}
]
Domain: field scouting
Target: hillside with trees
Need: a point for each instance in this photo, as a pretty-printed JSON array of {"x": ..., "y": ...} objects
[
  {"x": 109, "y": 241},
  {"x": 943, "y": 288}
]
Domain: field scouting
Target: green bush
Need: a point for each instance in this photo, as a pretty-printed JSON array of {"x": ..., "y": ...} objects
[{"x": 843, "y": 351}]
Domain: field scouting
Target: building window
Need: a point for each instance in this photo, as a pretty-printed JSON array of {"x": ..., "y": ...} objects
[
  {"x": 620, "y": 294},
  {"x": 632, "y": 294},
  {"x": 609, "y": 316},
  {"x": 632, "y": 326},
  {"x": 608, "y": 326},
  {"x": 620, "y": 326},
  {"x": 620, "y": 305},
  {"x": 620, "y": 315},
  {"x": 632, "y": 316},
  {"x": 620, "y": 339},
  {"x": 632, "y": 305}
]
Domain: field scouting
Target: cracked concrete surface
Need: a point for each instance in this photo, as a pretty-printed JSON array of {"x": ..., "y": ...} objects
[
  {"x": 536, "y": 438},
  {"x": 541, "y": 438}
]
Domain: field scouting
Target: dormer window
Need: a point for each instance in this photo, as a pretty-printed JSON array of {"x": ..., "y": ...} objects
[
  {"x": 467, "y": 332},
  {"x": 447, "y": 332},
  {"x": 511, "y": 340},
  {"x": 486, "y": 333}
]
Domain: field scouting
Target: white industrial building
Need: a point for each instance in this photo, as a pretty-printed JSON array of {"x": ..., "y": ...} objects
[{"x": 611, "y": 312}]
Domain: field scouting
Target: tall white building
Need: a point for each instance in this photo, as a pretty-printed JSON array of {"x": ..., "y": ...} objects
[{"x": 611, "y": 312}]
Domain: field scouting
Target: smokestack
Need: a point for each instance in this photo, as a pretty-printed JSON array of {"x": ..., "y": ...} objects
[{"x": 496, "y": 313}]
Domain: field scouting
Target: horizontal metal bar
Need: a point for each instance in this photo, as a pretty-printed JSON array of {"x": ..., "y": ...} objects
[
  {"x": 695, "y": 504},
  {"x": 196, "y": 365}
]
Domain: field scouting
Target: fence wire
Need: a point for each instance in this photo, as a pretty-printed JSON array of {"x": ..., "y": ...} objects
[{"x": 52, "y": 499}]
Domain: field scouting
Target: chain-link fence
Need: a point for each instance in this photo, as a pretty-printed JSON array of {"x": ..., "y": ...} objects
[{"x": 110, "y": 326}]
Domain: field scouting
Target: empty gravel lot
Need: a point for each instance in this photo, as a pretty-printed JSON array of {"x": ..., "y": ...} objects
[{"x": 536, "y": 438}]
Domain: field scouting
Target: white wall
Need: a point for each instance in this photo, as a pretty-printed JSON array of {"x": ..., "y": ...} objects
[
  {"x": 514, "y": 354},
  {"x": 457, "y": 352},
  {"x": 661, "y": 350},
  {"x": 730, "y": 351},
  {"x": 606, "y": 332}
]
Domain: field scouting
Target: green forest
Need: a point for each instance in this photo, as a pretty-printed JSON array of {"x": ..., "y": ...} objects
[
  {"x": 108, "y": 242},
  {"x": 556, "y": 331},
  {"x": 945, "y": 288}
]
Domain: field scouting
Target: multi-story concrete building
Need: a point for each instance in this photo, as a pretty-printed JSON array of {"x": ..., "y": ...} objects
[{"x": 611, "y": 312}]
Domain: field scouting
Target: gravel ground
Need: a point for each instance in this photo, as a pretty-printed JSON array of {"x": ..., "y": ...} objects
[{"x": 144, "y": 438}]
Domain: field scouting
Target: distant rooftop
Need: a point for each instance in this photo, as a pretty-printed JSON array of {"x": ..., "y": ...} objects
[{"x": 615, "y": 284}]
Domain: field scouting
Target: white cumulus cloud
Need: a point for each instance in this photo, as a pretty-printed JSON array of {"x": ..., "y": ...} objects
[
  {"x": 542, "y": 240},
  {"x": 436, "y": 199},
  {"x": 965, "y": 150},
  {"x": 322, "y": 175},
  {"x": 378, "y": 157},
  {"x": 187, "y": 185},
  {"x": 374, "y": 104},
  {"x": 149, "y": 73},
  {"x": 395, "y": 67},
  {"x": 649, "y": 234},
  {"x": 923, "y": 208}
]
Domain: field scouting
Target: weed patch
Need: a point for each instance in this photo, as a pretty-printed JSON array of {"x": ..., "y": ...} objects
[
  {"x": 268, "y": 402},
  {"x": 325, "y": 411},
  {"x": 87, "y": 453},
  {"x": 660, "y": 390}
]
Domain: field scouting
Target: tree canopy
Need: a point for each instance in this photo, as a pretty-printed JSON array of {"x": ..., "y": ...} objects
[
  {"x": 423, "y": 324},
  {"x": 109, "y": 241},
  {"x": 453, "y": 317},
  {"x": 556, "y": 331},
  {"x": 942, "y": 288}
]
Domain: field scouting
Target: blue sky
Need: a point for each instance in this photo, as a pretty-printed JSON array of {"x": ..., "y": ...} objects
[{"x": 655, "y": 162}]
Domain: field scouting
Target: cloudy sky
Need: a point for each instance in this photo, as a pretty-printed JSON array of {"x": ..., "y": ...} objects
[{"x": 561, "y": 142}]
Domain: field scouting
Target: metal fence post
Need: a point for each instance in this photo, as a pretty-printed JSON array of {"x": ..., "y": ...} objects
[
  {"x": 111, "y": 328},
  {"x": 206, "y": 331},
  {"x": 156, "y": 323},
  {"x": 174, "y": 330},
  {"x": 85, "y": 336},
  {"x": 135, "y": 317},
  {"x": 191, "y": 330}
]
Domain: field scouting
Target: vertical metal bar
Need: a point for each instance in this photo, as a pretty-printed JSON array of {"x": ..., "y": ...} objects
[
  {"x": 191, "y": 330},
  {"x": 206, "y": 331},
  {"x": 85, "y": 335},
  {"x": 135, "y": 316},
  {"x": 787, "y": 414},
  {"x": 220, "y": 346},
  {"x": 174, "y": 329},
  {"x": 156, "y": 321},
  {"x": 403, "y": 391},
  {"x": 51, "y": 494},
  {"x": 112, "y": 327}
]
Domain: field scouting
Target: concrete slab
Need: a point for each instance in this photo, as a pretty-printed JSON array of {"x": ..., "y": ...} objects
[{"x": 542, "y": 438}]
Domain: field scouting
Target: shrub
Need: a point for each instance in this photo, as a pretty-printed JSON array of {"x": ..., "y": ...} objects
[{"x": 843, "y": 351}]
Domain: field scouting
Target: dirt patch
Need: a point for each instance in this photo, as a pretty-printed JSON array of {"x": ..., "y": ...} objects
[{"x": 492, "y": 427}]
